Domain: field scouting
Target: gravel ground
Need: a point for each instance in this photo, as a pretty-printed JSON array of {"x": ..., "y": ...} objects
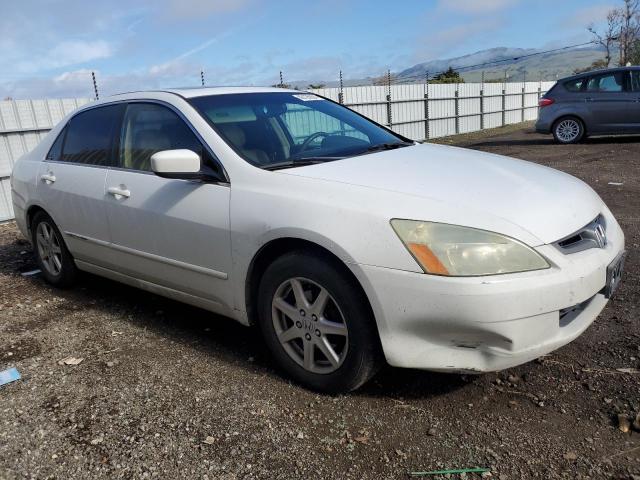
[{"x": 169, "y": 391}]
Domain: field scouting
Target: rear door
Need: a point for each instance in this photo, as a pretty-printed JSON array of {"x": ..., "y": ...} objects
[
  {"x": 173, "y": 233},
  {"x": 71, "y": 180},
  {"x": 609, "y": 103}
]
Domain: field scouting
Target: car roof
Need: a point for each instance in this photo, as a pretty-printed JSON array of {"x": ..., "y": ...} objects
[
  {"x": 192, "y": 92},
  {"x": 598, "y": 72}
]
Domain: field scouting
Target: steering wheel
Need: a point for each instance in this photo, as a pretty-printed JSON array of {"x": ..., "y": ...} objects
[{"x": 311, "y": 138}]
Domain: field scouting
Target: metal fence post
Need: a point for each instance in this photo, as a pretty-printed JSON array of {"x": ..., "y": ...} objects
[
  {"x": 524, "y": 101},
  {"x": 389, "y": 117},
  {"x": 482, "y": 103},
  {"x": 539, "y": 94},
  {"x": 341, "y": 93},
  {"x": 95, "y": 85},
  {"x": 457, "y": 103},
  {"x": 426, "y": 108},
  {"x": 504, "y": 104}
]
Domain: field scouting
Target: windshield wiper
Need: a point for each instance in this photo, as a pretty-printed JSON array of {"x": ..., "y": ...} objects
[
  {"x": 388, "y": 146},
  {"x": 299, "y": 162}
]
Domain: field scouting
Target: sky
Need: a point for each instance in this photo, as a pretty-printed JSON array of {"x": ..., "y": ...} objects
[{"x": 48, "y": 48}]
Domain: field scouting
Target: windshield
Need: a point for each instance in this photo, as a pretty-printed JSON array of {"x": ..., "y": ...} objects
[{"x": 279, "y": 130}]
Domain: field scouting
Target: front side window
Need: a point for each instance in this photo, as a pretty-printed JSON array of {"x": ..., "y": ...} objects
[
  {"x": 610, "y": 82},
  {"x": 90, "y": 134},
  {"x": 273, "y": 130},
  {"x": 635, "y": 80},
  {"x": 149, "y": 128}
]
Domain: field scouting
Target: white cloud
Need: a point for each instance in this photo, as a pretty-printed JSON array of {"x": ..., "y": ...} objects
[
  {"x": 591, "y": 15},
  {"x": 66, "y": 54},
  {"x": 475, "y": 7},
  {"x": 188, "y": 9}
]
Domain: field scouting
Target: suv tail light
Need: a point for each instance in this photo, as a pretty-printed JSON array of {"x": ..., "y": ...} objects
[{"x": 545, "y": 102}]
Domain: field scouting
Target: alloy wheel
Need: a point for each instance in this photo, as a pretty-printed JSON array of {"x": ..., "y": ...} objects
[
  {"x": 568, "y": 130},
  {"x": 310, "y": 326},
  {"x": 49, "y": 248}
]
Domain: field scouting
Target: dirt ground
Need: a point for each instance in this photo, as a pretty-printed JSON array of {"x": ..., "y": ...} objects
[{"x": 168, "y": 391}]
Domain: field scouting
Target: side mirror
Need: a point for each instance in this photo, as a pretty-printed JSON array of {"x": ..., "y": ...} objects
[{"x": 183, "y": 164}]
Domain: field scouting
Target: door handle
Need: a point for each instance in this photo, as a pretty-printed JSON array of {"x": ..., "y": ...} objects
[
  {"x": 48, "y": 178},
  {"x": 119, "y": 192},
  {"x": 588, "y": 99}
]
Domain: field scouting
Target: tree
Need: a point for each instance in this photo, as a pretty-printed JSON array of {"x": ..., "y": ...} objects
[
  {"x": 629, "y": 18},
  {"x": 316, "y": 86},
  {"x": 597, "y": 65},
  {"x": 450, "y": 76},
  {"x": 622, "y": 32},
  {"x": 608, "y": 38},
  {"x": 634, "y": 54}
]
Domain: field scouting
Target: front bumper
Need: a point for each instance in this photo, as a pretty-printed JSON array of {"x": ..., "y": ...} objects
[{"x": 483, "y": 324}]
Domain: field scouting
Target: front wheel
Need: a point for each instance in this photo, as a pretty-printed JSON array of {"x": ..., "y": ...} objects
[
  {"x": 317, "y": 323},
  {"x": 568, "y": 130}
]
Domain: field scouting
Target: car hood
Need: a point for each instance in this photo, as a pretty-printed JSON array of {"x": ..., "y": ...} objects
[{"x": 546, "y": 203}]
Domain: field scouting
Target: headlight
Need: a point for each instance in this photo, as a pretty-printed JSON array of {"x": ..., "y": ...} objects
[{"x": 449, "y": 250}]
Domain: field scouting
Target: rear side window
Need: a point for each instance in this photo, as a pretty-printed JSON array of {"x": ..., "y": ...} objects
[
  {"x": 149, "y": 128},
  {"x": 635, "y": 80},
  {"x": 609, "y": 82},
  {"x": 574, "y": 85},
  {"x": 89, "y": 138}
]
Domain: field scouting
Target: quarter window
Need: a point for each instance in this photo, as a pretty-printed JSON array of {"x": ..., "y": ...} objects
[
  {"x": 89, "y": 138},
  {"x": 574, "y": 85},
  {"x": 611, "y": 82},
  {"x": 55, "y": 152},
  {"x": 150, "y": 128}
]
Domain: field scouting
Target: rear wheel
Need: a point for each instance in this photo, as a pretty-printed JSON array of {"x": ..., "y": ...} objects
[
  {"x": 317, "y": 323},
  {"x": 568, "y": 130},
  {"x": 52, "y": 256}
]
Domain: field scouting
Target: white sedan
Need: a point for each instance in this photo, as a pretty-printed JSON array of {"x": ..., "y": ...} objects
[{"x": 345, "y": 242}]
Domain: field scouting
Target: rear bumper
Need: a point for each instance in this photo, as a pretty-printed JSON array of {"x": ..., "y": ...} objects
[
  {"x": 489, "y": 323},
  {"x": 543, "y": 126}
]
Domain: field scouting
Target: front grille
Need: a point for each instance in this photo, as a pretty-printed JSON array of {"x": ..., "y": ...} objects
[{"x": 592, "y": 235}]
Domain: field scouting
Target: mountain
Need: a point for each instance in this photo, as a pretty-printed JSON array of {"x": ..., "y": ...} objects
[
  {"x": 545, "y": 66},
  {"x": 518, "y": 63}
]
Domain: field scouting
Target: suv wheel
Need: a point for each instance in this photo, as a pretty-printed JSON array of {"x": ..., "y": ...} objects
[
  {"x": 568, "y": 130},
  {"x": 317, "y": 323},
  {"x": 52, "y": 256}
]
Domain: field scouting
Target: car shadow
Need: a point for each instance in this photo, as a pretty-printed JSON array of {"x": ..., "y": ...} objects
[
  {"x": 208, "y": 333},
  {"x": 548, "y": 140}
]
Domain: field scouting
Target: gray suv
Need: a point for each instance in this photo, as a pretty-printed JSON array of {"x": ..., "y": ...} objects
[{"x": 603, "y": 102}]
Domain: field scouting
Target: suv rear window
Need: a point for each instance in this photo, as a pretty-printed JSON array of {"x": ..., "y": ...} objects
[
  {"x": 574, "y": 85},
  {"x": 89, "y": 137}
]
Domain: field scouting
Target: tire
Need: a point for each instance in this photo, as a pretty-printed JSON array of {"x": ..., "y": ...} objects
[
  {"x": 53, "y": 258},
  {"x": 568, "y": 130},
  {"x": 344, "y": 327}
]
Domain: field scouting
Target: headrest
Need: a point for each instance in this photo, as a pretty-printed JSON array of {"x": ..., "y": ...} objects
[
  {"x": 151, "y": 140},
  {"x": 234, "y": 134}
]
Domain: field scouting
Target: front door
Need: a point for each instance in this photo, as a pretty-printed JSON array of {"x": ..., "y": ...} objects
[
  {"x": 71, "y": 180},
  {"x": 173, "y": 233},
  {"x": 635, "y": 105},
  {"x": 609, "y": 103}
]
